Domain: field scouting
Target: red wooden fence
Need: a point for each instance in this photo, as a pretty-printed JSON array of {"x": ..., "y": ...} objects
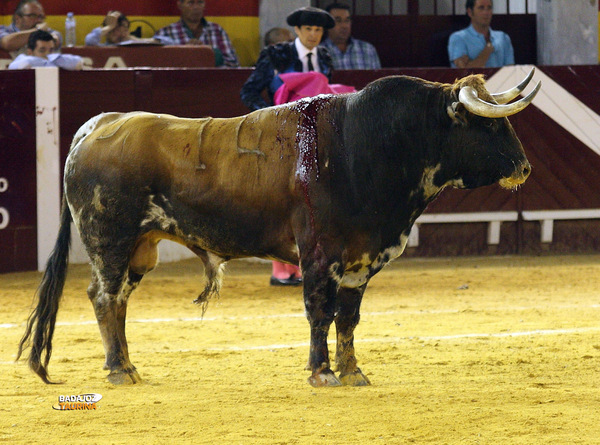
[{"x": 564, "y": 169}]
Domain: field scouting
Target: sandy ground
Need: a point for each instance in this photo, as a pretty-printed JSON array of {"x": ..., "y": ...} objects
[{"x": 501, "y": 350}]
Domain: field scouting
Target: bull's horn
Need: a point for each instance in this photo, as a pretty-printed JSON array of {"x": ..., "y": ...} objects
[
  {"x": 468, "y": 97},
  {"x": 508, "y": 95}
]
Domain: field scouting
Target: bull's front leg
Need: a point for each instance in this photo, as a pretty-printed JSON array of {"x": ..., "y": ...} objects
[
  {"x": 319, "y": 300},
  {"x": 346, "y": 319}
]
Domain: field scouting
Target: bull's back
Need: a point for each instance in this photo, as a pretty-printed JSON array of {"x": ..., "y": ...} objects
[{"x": 250, "y": 158}]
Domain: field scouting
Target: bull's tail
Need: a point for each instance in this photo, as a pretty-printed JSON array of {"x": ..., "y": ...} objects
[{"x": 41, "y": 322}]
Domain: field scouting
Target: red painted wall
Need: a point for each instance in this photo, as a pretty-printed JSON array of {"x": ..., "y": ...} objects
[
  {"x": 564, "y": 172},
  {"x": 18, "y": 240},
  {"x": 130, "y": 7}
]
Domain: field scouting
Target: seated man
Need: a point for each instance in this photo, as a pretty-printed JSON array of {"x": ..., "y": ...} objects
[
  {"x": 28, "y": 17},
  {"x": 278, "y": 35},
  {"x": 114, "y": 30},
  {"x": 347, "y": 52},
  {"x": 39, "y": 53},
  {"x": 194, "y": 29}
]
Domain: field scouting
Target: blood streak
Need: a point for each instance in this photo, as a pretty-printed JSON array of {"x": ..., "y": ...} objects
[
  {"x": 307, "y": 145},
  {"x": 307, "y": 140}
]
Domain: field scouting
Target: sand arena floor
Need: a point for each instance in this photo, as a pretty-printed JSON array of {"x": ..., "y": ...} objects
[{"x": 459, "y": 351}]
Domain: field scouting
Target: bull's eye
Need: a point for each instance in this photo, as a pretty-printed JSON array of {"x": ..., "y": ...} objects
[{"x": 489, "y": 123}]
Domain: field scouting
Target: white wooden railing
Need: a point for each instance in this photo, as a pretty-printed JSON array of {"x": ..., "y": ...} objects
[
  {"x": 547, "y": 218},
  {"x": 495, "y": 219}
]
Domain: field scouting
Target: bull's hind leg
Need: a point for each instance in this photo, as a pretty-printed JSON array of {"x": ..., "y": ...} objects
[
  {"x": 109, "y": 292},
  {"x": 346, "y": 319}
]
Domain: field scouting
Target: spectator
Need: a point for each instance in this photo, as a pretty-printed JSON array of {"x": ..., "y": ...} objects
[
  {"x": 39, "y": 53},
  {"x": 194, "y": 29},
  {"x": 309, "y": 24},
  {"x": 278, "y": 35},
  {"x": 27, "y": 18},
  {"x": 478, "y": 45},
  {"x": 114, "y": 30},
  {"x": 348, "y": 53}
]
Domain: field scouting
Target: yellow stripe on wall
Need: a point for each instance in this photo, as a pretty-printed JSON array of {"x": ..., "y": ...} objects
[{"x": 243, "y": 31}]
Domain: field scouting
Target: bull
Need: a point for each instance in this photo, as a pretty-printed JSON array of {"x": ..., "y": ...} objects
[{"x": 333, "y": 183}]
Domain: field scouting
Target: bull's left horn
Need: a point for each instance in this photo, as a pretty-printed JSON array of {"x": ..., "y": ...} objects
[
  {"x": 468, "y": 97},
  {"x": 508, "y": 95}
]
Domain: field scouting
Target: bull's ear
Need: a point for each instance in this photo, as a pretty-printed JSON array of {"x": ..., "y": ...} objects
[{"x": 457, "y": 113}]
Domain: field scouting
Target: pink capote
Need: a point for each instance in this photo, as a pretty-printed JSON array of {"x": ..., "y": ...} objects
[{"x": 296, "y": 86}]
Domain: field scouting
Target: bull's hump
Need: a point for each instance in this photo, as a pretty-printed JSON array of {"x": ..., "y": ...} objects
[{"x": 145, "y": 130}]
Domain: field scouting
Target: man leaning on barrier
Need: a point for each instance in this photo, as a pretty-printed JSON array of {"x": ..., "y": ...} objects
[{"x": 29, "y": 16}]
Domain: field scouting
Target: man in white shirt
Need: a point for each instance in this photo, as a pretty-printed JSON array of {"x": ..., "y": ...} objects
[
  {"x": 39, "y": 53},
  {"x": 309, "y": 24}
]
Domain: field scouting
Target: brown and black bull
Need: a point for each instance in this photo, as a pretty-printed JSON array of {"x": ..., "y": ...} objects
[{"x": 333, "y": 183}]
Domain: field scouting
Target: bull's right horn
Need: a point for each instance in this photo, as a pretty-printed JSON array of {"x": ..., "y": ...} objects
[
  {"x": 468, "y": 97},
  {"x": 508, "y": 95}
]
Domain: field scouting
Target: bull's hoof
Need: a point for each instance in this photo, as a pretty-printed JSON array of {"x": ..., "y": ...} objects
[
  {"x": 324, "y": 378},
  {"x": 124, "y": 378},
  {"x": 356, "y": 378}
]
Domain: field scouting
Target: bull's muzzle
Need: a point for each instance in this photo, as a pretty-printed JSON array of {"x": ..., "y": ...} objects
[{"x": 518, "y": 177}]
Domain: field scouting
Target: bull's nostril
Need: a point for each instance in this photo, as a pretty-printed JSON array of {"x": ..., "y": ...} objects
[{"x": 526, "y": 171}]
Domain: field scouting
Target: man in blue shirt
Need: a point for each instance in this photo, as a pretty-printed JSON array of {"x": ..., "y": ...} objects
[
  {"x": 479, "y": 46},
  {"x": 348, "y": 53},
  {"x": 114, "y": 30}
]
